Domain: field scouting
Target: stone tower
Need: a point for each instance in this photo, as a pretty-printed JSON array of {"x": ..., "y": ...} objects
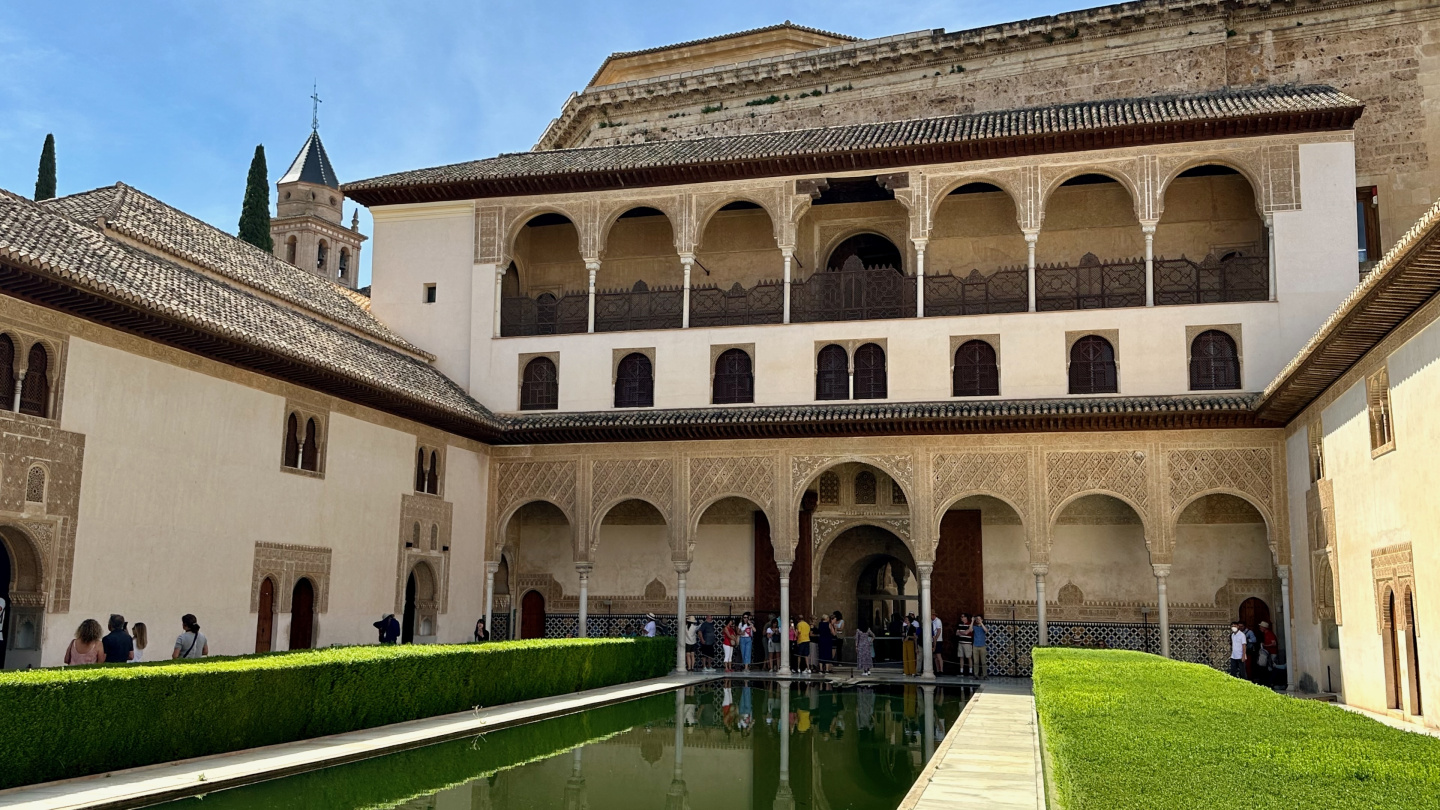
[{"x": 309, "y": 228}]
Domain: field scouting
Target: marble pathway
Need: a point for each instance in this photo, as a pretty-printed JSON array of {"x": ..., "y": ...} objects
[{"x": 990, "y": 760}]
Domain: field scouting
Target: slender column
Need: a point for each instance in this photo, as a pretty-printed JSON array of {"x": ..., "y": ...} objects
[
  {"x": 490, "y": 569},
  {"x": 19, "y": 384},
  {"x": 784, "y": 798},
  {"x": 926, "y": 636},
  {"x": 681, "y": 569},
  {"x": 927, "y": 737},
  {"x": 920, "y": 277},
  {"x": 1043, "y": 629},
  {"x": 789, "y": 254},
  {"x": 1162, "y": 571},
  {"x": 1030, "y": 237},
  {"x": 686, "y": 261},
  {"x": 1149, "y": 229},
  {"x": 593, "y": 266},
  {"x": 1290, "y": 668},
  {"x": 584, "y": 569},
  {"x": 1270, "y": 250},
  {"x": 499, "y": 288},
  {"x": 784, "y": 638}
]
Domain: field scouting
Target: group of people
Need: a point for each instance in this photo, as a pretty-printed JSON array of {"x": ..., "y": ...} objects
[
  {"x": 1254, "y": 656},
  {"x": 703, "y": 639},
  {"x": 124, "y": 644}
]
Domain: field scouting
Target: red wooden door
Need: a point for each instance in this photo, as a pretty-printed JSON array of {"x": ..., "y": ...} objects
[
  {"x": 302, "y": 615},
  {"x": 957, "y": 584},
  {"x": 532, "y": 615},
  {"x": 1252, "y": 612},
  {"x": 265, "y": 624}
]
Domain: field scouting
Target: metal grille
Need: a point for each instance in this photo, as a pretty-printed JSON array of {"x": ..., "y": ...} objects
[
  {"x": 634, "y": 382},
  {"x": 832, "y": 377},
  {"x": 499, "y": 627},
  {"x": 1238, "y": 276},
  {"x": 1006, "y": 290},
  {"x": 1092, "y": 284},
  {"x": 734, "y": 378},
  {"x": 541, "y": 389},
  {"x": 545, "y": 314},
  {"x": 1092, "y": 366},
  {"x": 870, "y": 378},
  {"x": 712, "y": 306},
  {"x": 1214, "y": 362},
  {"x": 977, "y": 374},
  {"x": 1009, "y": 642},
  {"x": 565, "y": 625},
  {"x": 853, "y": 294},
  {"x": 639, "y": 308}
]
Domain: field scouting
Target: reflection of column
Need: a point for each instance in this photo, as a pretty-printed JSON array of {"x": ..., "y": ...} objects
[
  {"x": 1284, "y": 571},
  {"x": 928, "y": 735},
  {"x": 1149, "y": 229},
  {"x": 686, "y": 261},
  {"x": 593, "y": 267},
  {"x": 499, "y": 291},
  {"x": 920, "y": 277},
  {"x": 584, "y": 569},
  {"x": 679, "y": 732},
  {"x": 784, "y": 623},
  {"x": 1042, "y": 629},
  {"x": 1030, "y": 237},
  {"x": 1162, "y": 571},
  {"x": 789, "y": 254},
  {"x": 575, "y": 785},
  {"x": 681, "y": 569},
  {"x": 784, "y": 798},
  {"x": 490, "y": 569},
  {"x": 927, "y": 635}
]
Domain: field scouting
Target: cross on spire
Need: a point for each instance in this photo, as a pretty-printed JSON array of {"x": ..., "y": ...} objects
[{"x": 314, "y": 108}]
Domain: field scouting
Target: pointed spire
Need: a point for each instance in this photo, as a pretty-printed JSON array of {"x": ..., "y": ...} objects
[{"x": 312, "y": 165}]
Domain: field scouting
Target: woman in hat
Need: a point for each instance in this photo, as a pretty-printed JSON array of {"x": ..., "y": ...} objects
[
  {"x": 649, "y": 625},
  {"x": 691, "y": 630}
]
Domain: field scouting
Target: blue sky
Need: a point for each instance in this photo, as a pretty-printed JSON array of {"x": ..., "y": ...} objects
[{"x": 172, "y": 97}]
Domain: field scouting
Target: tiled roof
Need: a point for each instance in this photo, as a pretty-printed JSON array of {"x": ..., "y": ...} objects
[
  {"x": 145, "y": 219},
  {"x": 1164, "y": 118},
  {"x": 79, "y": 256},
  {"x": 312, "y": 165},
  {"x": 787, "y": 25}
]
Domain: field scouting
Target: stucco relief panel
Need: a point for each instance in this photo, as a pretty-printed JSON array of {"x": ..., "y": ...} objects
[
  {"x": 752, "y": 477},
  {"x": 1393, "y": 569},
  {"x": 804, "y": 468},
  {"x": 649, "y": 479},
  {"x": 520, "y": 481},
  {"x": 286, "y": 564},
  {"x": 1006, "y": 475},
  {"x": 1123, "y": 472},
  {"x": 425, "y": 528}
]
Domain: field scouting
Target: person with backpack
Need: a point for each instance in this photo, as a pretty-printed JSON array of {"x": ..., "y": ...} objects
[
  {"x": 191, "y": 643},
  {"x": 389, "y": 628}
]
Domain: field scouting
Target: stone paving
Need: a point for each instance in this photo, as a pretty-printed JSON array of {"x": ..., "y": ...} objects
[{"x": 990, "y": 760}]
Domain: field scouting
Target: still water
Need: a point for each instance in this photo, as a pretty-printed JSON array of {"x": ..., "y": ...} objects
[{"x": 718, "y": 745}]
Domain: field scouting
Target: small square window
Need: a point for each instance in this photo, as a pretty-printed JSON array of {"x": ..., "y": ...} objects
[{"x": 429, "y": 293}]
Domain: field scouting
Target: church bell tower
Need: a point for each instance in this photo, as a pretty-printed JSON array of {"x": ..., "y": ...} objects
[{"x": 308, "y": 228}]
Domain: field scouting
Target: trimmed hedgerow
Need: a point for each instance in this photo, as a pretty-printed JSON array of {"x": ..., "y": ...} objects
[
  {"x": 1131, "y": 730},
  {"x": 61, "y": 723}
]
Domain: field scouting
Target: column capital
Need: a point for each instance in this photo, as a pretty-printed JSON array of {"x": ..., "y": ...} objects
[
  {"x": 1031, "y": 234},
  {"x": 1147, "y": 226},
  {"x": 592, "y": 264},
  {"x": 1162, "y": 570},
  {"x": 924, "y": 569},
  {"x": 784, "y": 568},
  {"x": 584, "y": 568},
  {"x": 786, "y": 250},
  {"x": 1283, "y": 571},
  {"x": 682, "y": 566},
  {"x": 492, "y": 567},
  {"x": 1039, "y": 570},
  {"x": 920, "y": 242}
]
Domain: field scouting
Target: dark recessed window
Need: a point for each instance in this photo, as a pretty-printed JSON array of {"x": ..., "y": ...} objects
[
  {"x": 734, "y": 378},
  {"x": 634, "y": 382},
  {"x": 865, "y": 487},
  {"x": 540, "y": 388},
  {"x": 292, "y": 442},
  {"x": 1214, "y": 362},
  {"x": 1092, "y": 366},
  {"x": 310, "y": 450},
  {"x": 977, "y": 374},
  {"x": 832, "y": 373},
  {"x": 870, "y": 382},
  {"x": 429, "y": 293},
  {"x": 35, "y": 389},
  {"x": 7, "y": 373}
]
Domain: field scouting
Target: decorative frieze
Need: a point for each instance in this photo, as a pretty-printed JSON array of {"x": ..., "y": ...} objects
[{"x": 285, "y": 565}]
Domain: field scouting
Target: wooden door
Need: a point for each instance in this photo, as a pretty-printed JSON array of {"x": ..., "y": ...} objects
[
  {"x": 265, "y": 625},
  {"x": 302, "y": 615},
  {"x": 1394, "y": 650},
  {"x": 957, "y": 584},
  {"x": 532, "y": 615},
  {"x": 1252, "y": 612},
  {"x": 407, "y": 620}
]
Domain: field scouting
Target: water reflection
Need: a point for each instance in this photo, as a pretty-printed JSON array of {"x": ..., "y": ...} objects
[{"x": 731, "y": 744}]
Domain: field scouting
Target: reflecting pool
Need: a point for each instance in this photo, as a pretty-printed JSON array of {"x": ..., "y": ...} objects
[{"x": 718, "y": 745}]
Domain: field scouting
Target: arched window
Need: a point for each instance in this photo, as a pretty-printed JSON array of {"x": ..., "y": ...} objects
[
  {"x": 873, "y": 250},
  {"x": 634, "y": 382},
  {"x": 290, "y": 249},
  {"x": 1214, "y": 362},
  {"x": 547, "y": 313},
  {"x": 310, "y": 450},
  {"x": 828, "y": 487},
  {"x": 832, "y": 373},
  {"x": 540, "y": 386},
  {"x": 434, "y": 537},
  {"x": 870, "y": 382},
  {"x": 35, "y": 485},
  {"x": 415, "y": 535},
  {"x": 344, "y": 261},
  {"x": 865, "y": 487},
  {"x": 432, "y": 478},
  {"x": 977, "y": 374},
  {"x": 734, "y": 378},
  {"x": 1092, "y": 366},
  {"x": 420, "y": 470},
  {"x": 7, "y": 373},
  {"x": 292, "y": 442},
  {"x": 322, "y": 253},
  {"x": 35, "y": 390}
]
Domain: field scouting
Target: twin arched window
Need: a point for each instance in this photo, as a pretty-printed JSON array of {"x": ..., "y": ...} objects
[
  {"x": 1092, "y": 366},
  {"x": 302, "y": 454},
  {"x": 734, "y": 378},
  {"x": 540, "y": 385},
  {"x": 427, "y": 471},
  {"x": 977, "y": 372},
  {"x": 1214, "y": 362},
  {"x": 832, "y": 375},
  {"x": 635, "y": 382},
  {"x": 35, "y": 389}
]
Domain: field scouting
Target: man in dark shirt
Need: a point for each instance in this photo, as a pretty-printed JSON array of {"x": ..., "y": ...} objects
[
  {"x": 119, "y": 647},
  {"x": 389, "y": 628},
  {"x": 707, "y": 641}
]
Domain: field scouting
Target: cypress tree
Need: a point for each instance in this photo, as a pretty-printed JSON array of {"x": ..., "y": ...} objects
[
  {"x": 45, "y": 182},
  {"x": 255, "y": 212}
]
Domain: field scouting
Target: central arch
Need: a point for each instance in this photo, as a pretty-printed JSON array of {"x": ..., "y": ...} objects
[
  {"x": 22, "y": 584},
  {"x": 868, "y": 574}
]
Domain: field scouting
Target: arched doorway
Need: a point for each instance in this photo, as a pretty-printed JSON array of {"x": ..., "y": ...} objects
[
  {"x": 4, "y": 603},
  {"x": 407, "y": 623},
  {"x": 302, "y": 615},
  {"x": 265, "y": 623},
  {"x": 532, "y": 615},
  {"x": 1253, "y": 611},
  {"x": 22, "y": 586},
  {"x": 868, "y": 574},
  {"x": 1412, "y": 655},
  {"x": 1392, "y": 651}
]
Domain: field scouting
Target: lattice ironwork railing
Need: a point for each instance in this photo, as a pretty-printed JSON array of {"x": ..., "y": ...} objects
[
  {"x": 499, "y": 627},
  {"x": 1009, "y": 642},
  {"x": 1091, "y": 284},
  {"x": 545, "y": 314},
  {"x": 1006, "y": 290},
  {"x": 865, "y": 293},
  {"x": 639, "y": 308},
  {"x": 737, "y": 306},
  {"x": 564, "y": 625},
  {"x": 1212, "y": 280}
]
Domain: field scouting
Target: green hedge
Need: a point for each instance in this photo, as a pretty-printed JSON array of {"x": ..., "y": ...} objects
[
  {"x": 1131, "y": 730},
  {"x": 61, "y": 723}
]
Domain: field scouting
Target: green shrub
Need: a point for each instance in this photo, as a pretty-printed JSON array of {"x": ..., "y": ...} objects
[
  {"x": 1131, "y": 730},
  {"x": 61, "y": 723}
]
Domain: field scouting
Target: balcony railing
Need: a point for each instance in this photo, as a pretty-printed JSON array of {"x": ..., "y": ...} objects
[
  {"x": 639, "y": 308},
  {"x": 1006, "y": 290},
  {"x": 545, "y": 314},
  {"x": 1213, "y": 280},
  {"x": 1092, "y": 284},
  {"x": 853, "y": 294},
  {"x": 737, "y": 306}
]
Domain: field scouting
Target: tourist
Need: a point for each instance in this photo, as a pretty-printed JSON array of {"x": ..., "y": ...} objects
[
  {"x": 692, "y": 629},
  {"x": 825, "y": 641},
  {"x": 119, "y": 647},
  {"x": 937, "y": 639},
  {"x": 1237, "y": 651},
  {"x": 864, "y": 650},
  {"x": 191, "y": 643},
  {"x": 141, "y": 634},
  {"x": 85, "y": 648},
  {"x": 389, "y": 628},
  {"x": 3, "y": 605},
  {"x": 907, "y": 646},
  {"x": 649, "y": 625},
  {"x": 837, "y": 631},
  {"x": 707, "y": 644},
  {"x": 802, "y": 644},
  {"x": 966, "y": 636},
  {"x": 747, "y": 639},
  {"x": 482, "y": 634},
  {"x": 980, "y": 631},
  {"x": 772, "y": 645},
  {"x": 729, "y": 637}
]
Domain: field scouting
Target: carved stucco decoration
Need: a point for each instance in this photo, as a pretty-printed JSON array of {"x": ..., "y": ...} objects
[
  {"x": 1022, "y": 183},
  {"x": 825, "y": 529},
  {"x": 1122, "y": 472},
  {"x": 647, "y": 479},
  {"x": 751, "y": 477},
  {"x": 899, "y": 467},
  {"x": 519, "y": 482},
  {"x": 1393, "y": 569},
  {"x": 286, "y": 564},
  {"x": 1241, "y": 470},
  {"x": 435, "y": 518},
  {"x": 1324, "y": 555},
  {"x": 1005, "y": 475}
]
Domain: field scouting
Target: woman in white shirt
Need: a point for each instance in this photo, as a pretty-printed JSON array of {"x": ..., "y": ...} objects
[{"x": 142, "y": 638}]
